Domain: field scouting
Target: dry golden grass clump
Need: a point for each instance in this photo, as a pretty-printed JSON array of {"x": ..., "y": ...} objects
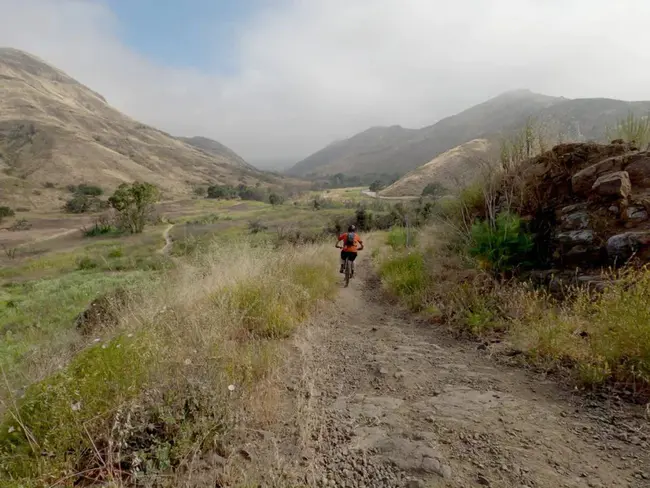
[{"x": 166, "y": 385}]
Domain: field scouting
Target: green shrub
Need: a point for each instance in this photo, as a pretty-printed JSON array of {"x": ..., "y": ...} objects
[
  {"x": 83, "y": 204},
  {"x": 86, "y": 263},
  {"x": 400, "y": 238},
  {"x": 101, "y": 229},
  {"x": 405, "y": 276},
  {"x": 503, "y": 245},
  {"x": 84, "y": 189},
  {"x": 434, "y": 190},
  {"x": 63, "y": 410},
  {"x": 6, "y": 212}
]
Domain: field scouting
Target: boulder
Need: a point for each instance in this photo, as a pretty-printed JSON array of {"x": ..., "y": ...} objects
[
  {"x": 622, "y": 247},
  {"x": 639, "y": 170},
  {"x": 574, "y": 238},
  {"x": 583, "y": 181},
  {"x": 613, "y": 185},
  {"x": 575, "y": 221},
  {"x": 637, "y": 214}
]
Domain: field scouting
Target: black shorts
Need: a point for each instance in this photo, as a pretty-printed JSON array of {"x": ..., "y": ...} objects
[{"x": 349, "y": 255}]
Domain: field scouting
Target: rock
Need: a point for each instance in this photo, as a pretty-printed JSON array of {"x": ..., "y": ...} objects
[
  {"x": 623, "y": 246},
  {"x": 638, "y": 168},
  {"x": 431, "y": 466},
  {"x": 636, "y": 213},
  {"x": 583, "y": 181},
  {"x": 573, "y": 238},
  {"x": 575, "y": 221},
  {"x": 483, "y": 481},
  {"x": 613, "y": 185}
]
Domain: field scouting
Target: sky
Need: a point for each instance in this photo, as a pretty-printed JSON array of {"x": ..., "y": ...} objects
[{"x": 276, "y": 80}]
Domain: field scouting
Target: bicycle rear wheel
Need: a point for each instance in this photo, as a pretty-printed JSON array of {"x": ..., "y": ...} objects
[{"x": 348, "y": 272}]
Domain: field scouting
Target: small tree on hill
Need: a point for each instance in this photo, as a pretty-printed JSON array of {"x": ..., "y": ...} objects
[
  {"x": 376, "y": 186},
  {"x": 275, "y": 199},
  {"x": 134, "y": 204}
]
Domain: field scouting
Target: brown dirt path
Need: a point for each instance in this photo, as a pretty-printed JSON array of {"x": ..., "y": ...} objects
[{"x": 380, "y": 400}]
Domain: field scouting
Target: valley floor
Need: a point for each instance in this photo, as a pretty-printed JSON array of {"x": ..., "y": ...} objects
[{"x": 379, "y": 400}]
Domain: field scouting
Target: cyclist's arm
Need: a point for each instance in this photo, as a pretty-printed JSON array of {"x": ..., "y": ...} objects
[{"x": 361, "y": 245}]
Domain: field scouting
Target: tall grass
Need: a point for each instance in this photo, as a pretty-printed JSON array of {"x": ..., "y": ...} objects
[
  {"x": 601, "y": 337},
  {"x": 632, "y": 129},
  {"x": 167, "y": 384}
]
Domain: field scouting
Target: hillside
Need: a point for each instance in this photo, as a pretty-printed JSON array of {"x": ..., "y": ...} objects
[
  {"x": 54, "y": 132},
  {"x": 451, "y": 168},
  {"x": 215, "y": 148},
  {"x": 391, "y": 149}
]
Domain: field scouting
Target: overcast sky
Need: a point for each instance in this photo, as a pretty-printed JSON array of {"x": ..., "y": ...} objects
[{"x": 279, "y": 79}]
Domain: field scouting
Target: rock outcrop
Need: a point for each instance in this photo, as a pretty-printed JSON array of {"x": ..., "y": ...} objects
[{"x": 589, "y": 203}]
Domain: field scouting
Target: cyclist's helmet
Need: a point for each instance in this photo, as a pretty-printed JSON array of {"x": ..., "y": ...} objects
[{"x": 352, "y": 228}]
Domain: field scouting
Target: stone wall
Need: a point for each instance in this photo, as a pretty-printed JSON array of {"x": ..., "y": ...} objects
[{"x": 592, "y": 202}]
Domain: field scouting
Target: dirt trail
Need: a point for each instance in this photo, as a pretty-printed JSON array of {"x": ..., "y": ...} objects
[
  {"x": 168, "y": 240},
  {"x": 382, "y": 401}
]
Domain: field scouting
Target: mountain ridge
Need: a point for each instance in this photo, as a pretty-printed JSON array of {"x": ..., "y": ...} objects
[
  {"x": 55, "y": 132},
  {"x": 389, "y": 150}
]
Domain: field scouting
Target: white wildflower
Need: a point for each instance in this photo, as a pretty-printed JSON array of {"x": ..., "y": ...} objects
[
  {"x": 103, "y": 346},
  {"x": 231, "y": 387},
  {"x": 12, "y": 429},
  {"x": 188, "y": 361},
  {"x": 76, "y": 406},
  {"x": 129, "y": 335}
]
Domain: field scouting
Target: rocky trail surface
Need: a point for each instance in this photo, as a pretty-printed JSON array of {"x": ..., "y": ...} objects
[{"x": 380, "y": 400}]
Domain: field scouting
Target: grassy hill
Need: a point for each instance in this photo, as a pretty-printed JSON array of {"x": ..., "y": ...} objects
[{"x": 55, "y": 132}]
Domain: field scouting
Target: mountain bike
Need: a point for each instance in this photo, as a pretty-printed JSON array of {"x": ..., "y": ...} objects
[{"x": 349, "y": 272}]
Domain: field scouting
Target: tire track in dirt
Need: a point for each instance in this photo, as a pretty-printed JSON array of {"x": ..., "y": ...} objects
[{"x": 391, "y": 402}]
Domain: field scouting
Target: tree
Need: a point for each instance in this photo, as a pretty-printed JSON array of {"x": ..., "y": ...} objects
[
  {"x": 376, "y": 186},
  {"x": 275, "y": 199},
  {"x": 434, "y": 190},
  {"x": 134, "y": 203}
]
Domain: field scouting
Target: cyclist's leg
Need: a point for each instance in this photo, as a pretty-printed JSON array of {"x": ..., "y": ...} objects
[{"x": 352, "y": 256}]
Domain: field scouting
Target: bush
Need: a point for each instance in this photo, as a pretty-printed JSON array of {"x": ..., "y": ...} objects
[
  {"x": 86, "y": 263},
  {"x": 503, "y": 245},
  {"x": 101, "y": 229},
  {"x": 6, "y": 212},
  {"x": 435, "y": 190},
  {"x": 221, "y": 192},
  {"x": 84, "y": 189},
  {"x": 401, "y": 237},
  {"x": 84, "y": 204},
  {"x": 20, "y": 224},
  {"x": 256, "y": 226},
  {"x": 275, "y": 199}
]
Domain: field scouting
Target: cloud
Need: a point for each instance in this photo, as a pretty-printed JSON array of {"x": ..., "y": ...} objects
[{"x": 311, "y": 71}]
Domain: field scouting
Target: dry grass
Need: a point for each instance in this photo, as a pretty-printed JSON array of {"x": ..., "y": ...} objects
[
  {"x": 164, "y": 388},
  {"x": 601, "y": 337}
]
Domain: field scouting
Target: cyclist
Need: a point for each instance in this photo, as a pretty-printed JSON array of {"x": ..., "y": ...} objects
[{"x": 351, "y": 245}]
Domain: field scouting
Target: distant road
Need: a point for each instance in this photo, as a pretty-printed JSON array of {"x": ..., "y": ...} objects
[{"x": 373, "y": 194}]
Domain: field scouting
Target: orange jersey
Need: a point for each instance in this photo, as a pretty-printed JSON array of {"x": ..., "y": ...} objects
[{"x": 354, "y": 247}]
